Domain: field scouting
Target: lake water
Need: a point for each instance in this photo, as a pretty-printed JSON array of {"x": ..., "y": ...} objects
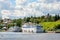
[{"x": 29, "y": 36}]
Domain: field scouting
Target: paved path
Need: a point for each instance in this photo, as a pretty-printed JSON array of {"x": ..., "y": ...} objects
[{"x": 27, "y": 36}]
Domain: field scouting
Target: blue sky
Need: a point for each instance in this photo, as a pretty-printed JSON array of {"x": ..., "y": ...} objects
[
  {"x": 25, "y": 8},
  {"x": 13, "y": 2}
]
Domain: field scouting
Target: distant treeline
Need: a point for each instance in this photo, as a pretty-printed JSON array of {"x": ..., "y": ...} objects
[{"x": 46, "y": 18}]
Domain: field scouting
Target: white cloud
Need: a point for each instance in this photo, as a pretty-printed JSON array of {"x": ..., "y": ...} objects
[
  {"x": 18, "y": 2},
  {"x": 5, "y": 4},
  {"x": 4, "y": 0},
  {"x": 18, "y": 13},
  {"x": 5, "y": 13},
  {"x": 55, "y": 5},
  {"x": 1, "y": 0},
  {"x": 41, "y": 0},
  {"x": 0, "y": 7},
  {"x": 30, "y": 8},
  {"x": 33, "y": 5}
]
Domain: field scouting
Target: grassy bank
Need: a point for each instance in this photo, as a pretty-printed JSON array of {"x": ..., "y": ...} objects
[{"x": 50, "y": 26}]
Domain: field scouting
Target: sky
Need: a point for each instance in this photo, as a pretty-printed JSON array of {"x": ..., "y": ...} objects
[{"x": 26, "y": 8}]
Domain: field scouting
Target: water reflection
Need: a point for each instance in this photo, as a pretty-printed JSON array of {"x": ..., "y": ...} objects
[{"x": 33, "y": 36}]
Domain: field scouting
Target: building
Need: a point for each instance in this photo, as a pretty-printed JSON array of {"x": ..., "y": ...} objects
[
  {"x": 7, "y": 20},
  {"x": 14, "y": 29},
  {"x": 31, "y": 28}
]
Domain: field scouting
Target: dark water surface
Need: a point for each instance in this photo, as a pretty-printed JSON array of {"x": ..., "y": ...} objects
[{"x": 27, "y": 36}]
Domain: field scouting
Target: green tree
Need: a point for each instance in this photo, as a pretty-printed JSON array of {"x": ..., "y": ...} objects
[
  {"x": 56, "y": 17},
  {"x": 10, "y": 25},
  {"x": 19, "y": 22}
]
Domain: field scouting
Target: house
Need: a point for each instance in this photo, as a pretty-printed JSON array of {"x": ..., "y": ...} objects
[
  {"x": 7, "y": 21},
  {"x": 14, "y": 29},
  {"x": 31, "y": 28}
]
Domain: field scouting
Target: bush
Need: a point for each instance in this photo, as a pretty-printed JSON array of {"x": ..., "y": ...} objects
[
  {"x": 58, "y": 26},
  {"x": 10, "y": 25}
]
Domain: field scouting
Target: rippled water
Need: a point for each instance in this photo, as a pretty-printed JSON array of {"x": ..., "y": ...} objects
[{"x": 27, "y": 36}]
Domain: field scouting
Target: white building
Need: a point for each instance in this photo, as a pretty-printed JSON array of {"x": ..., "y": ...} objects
[{"x": 31, "y": 28}]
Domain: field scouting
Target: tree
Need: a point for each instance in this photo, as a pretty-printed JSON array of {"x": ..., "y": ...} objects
[
  {"x": 32, "y": 19},
  {"x": 48, "y": 17},
  {"x": 58, "y": 26},
  {"x": 42, "y": 19},
  {"x": 14, "y": 21},
  {"x": 19, "y": 22},
  {"x": 57, "y": 17},
  {"x": 1, "y": 21},
  {"x": 10, "y": 25},
  {"x": 28, "y": 19}
]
